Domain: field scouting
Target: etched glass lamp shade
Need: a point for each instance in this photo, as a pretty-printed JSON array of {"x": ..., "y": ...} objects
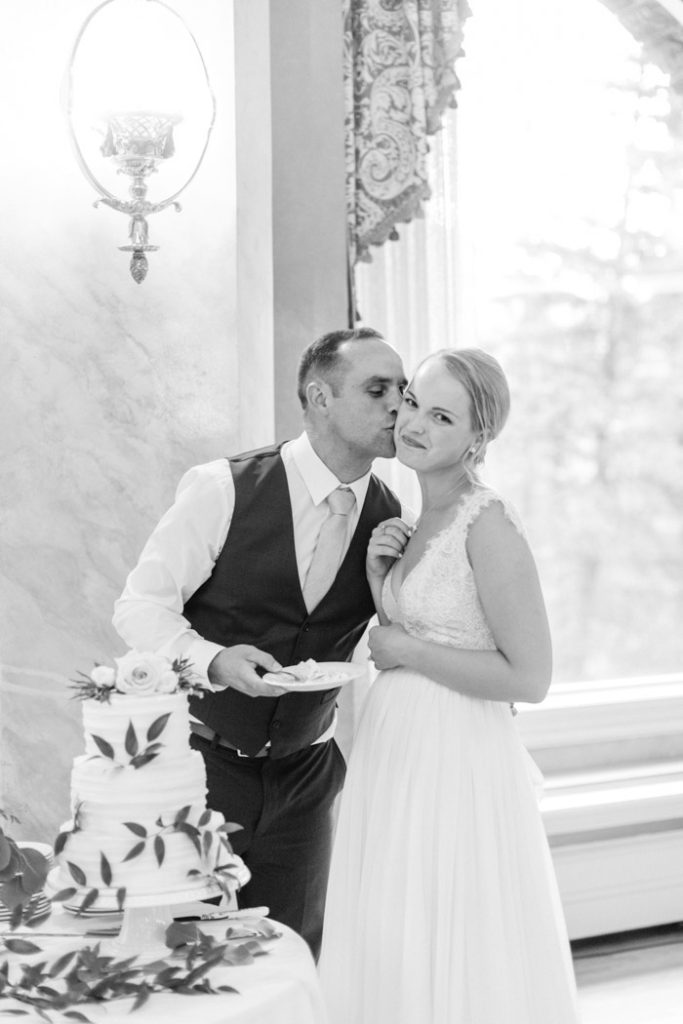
[{"x": 140, "y": 111}]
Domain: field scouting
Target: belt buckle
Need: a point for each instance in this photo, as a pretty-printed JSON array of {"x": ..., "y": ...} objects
[{"x": 263, "y": 752}]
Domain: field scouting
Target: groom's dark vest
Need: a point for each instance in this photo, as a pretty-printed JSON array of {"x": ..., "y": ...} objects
[{"x": 253, "y": 596}]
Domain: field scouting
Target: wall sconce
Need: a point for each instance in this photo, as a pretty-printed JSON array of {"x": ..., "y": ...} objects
[{"x": 139, "y": 104}]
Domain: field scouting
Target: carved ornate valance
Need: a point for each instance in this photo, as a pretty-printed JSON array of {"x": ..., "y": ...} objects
[{"x": 399, "y": 74}]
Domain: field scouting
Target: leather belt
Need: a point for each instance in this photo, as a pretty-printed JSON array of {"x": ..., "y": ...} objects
[{"x": 199, "y": 729}]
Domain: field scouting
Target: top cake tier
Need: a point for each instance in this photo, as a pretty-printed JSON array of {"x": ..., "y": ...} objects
[{"x": 133, "y": 730}]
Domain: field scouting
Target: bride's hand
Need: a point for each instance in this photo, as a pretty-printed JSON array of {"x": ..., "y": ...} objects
[
  {"x": 388, "y": 645},
  {"x": 387, "y": 543}
]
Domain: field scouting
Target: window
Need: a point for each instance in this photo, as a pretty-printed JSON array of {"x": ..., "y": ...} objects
[{"x": 554, "y": 240}]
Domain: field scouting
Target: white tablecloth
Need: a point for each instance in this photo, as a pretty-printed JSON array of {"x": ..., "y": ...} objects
[{"x": 280, "y": 987}]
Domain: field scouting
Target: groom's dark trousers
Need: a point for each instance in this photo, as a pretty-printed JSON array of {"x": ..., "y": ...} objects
[
  {"x": 285, "y": 808},
  {"x": 283, "y": 790}
]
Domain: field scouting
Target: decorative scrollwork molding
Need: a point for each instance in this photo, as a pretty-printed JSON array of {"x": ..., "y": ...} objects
[{"x": 399, "y": 58}]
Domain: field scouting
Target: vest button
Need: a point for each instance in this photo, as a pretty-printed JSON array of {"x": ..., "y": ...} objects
[{"x": 275, "y": 724}]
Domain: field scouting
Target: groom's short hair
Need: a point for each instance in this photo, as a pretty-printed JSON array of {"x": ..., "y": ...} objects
[{"x": 322, "y": 356}]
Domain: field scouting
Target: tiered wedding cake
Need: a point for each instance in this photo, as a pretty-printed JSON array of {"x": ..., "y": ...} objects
[{"x": 141, "y": 832}]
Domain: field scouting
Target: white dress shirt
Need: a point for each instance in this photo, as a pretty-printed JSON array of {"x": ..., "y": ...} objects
[{"x": 183, "y": 549}]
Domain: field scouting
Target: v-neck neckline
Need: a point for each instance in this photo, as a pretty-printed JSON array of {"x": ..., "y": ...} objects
[{"x": 428, "y": 546}]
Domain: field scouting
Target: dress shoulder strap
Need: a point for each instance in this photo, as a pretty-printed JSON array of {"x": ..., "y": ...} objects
[{"x": 480, "y": 498}]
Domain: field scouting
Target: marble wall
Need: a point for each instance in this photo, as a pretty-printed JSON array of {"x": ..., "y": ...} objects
[{"x": 109, "y": 389}]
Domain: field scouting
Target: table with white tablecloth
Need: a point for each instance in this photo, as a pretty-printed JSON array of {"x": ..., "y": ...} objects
[{"x": 279, "y": 987}]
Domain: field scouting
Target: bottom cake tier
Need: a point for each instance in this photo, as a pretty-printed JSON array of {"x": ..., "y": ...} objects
[{"x": 143, "y": 834}]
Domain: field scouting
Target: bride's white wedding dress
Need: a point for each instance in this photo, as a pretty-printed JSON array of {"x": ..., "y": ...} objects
[{"x": 442, "y": 905}]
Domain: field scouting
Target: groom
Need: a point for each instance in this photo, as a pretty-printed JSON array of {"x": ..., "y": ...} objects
[{"x": 260, "y": 563}]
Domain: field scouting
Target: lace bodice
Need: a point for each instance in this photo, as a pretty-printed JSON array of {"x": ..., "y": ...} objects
[{"x": 438, "y": 599}]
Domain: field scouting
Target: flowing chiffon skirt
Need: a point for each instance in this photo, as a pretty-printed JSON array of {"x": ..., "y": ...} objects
[{"x": 442, "y": 905}]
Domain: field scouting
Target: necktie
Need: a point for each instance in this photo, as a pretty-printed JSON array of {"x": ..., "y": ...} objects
[{"x": 329, "y": 549}]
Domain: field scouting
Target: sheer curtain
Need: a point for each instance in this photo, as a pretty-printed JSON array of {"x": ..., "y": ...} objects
[{"x": 411, "y": 291}]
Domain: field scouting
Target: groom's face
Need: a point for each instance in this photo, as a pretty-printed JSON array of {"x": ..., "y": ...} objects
[{"x": 367, "y": 393}]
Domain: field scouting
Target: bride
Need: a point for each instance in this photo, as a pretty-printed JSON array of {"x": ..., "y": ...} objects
[{"x": 442, "y": 905}]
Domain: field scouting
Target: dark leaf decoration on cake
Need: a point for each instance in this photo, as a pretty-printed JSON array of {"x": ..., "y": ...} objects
[
  {"x": 77, "y": 873},
  {"x": 207, "y": 840},
  {"x": 140, "y": 760},
  {"x": 157, "y": 727},
  {"x": 88, "y": 900},
  {"x": 102, "y": 745},
  {"x": 105, "y": 869},
  {"x": 134, "y": 851},
  {"x": 183, "y": 813},
  {"x": 131, "y": 741},
  {"x": 191, "y": 831},
  {"x": 60, "y": 842},
  {"x": 229, "y": 827},
  {"x": 121, "y": 897},
  {"x": 205, "y": 818},
  {"x": 138, "y": 830},
  {"x": 159, "y": 849}
]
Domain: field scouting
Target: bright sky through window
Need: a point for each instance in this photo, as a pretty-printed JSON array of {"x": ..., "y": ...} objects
[{"x": 542, "y": 134}]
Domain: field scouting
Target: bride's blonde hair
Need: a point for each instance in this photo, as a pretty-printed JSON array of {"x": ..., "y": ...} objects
[{"x": 484, "y": 381}]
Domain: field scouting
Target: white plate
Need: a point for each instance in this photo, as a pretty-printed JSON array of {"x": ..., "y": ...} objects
[
  {"x": 90, "y": 912},
  {"x": 337, "y": 673},
  {"x": 39, "y": 904}
]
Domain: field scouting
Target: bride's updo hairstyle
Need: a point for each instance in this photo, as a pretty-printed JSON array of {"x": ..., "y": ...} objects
[{"x": 484, "y": 381}]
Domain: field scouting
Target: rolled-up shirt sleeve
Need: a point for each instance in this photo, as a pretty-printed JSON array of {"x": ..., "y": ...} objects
[{"x": 178, "y": 557}]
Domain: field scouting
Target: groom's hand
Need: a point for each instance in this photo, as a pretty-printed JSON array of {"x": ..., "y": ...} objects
[{"x": 236, "y": 667}]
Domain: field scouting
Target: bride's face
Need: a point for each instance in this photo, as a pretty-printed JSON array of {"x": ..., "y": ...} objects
[{"x": 433, "y": 427}]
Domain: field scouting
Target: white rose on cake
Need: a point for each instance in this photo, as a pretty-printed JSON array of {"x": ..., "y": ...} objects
[
  {"x": 168, "y": 682},
  {"x": 103, "y": 676},
  {"x": 141, "y": 673}
]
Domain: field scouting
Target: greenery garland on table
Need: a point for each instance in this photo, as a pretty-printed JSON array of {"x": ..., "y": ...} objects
[
  {"x": 22, "y": 875},
  {"x": 88, "y": 976}
]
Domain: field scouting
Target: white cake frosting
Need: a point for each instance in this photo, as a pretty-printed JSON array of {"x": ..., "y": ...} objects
[{"x": 139, "y": 780}]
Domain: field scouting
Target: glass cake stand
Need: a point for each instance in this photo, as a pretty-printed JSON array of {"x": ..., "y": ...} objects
[{"x": 144, "y": 920}]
